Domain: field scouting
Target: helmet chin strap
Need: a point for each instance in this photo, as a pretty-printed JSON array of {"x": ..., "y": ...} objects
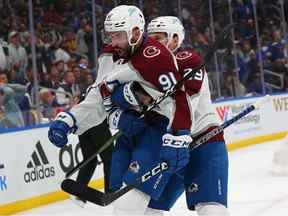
[
  {"x": 133, "y": 45},
  {"x": 169, "y": 42}
]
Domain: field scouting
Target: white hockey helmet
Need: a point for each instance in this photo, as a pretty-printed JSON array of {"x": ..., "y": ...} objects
[
  {"x": 125, "y": 18},
  {"x": 170, "y": 25}
]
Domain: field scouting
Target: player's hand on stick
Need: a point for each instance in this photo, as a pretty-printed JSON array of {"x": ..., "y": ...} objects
[{"x": 175, "y": 150}]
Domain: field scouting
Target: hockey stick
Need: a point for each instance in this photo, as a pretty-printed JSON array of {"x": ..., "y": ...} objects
[
  {"x": 85, "y": 162},
  {"x": 218, "y": 42},
  {"x": 102, "y": 199}
]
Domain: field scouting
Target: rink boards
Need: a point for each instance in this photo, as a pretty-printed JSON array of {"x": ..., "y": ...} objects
[{"x": 31, "y": 167}]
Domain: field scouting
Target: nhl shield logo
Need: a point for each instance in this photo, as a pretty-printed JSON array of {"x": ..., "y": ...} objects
[{"x": 134, "y": 167}]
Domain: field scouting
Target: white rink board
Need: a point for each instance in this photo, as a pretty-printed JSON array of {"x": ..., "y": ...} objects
[
  {"x": 19, "y": 149},
  {"x": 270, "y": 118}
]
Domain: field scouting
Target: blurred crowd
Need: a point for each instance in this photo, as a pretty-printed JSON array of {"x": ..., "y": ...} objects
[{"x": 66, "y": 63}]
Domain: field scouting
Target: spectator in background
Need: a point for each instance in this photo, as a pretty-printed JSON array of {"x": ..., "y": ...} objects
[
  {"x": 245, "y": 55},
  {"x": 246, "y": 51},
  {"x": 41, "y": 54},
  {"x": 244, "y": 16},
  {"x": 71, "y": 42},
  {"x": 276, "y": 48},
  {"x": 17, "y": 57},
  {"x": 252, "y": 68},
  {"x": 69, "y": 89},
  {"x": 9, "y": 107},
  {"x": 3, "y": 60},
  {"x": 23, "y": 34},
  {"x": 89, "y": 79},
  {"x": 61, "y": 54},
  {"x": 4, "y": 122},
  {"x": 3, "y": 78},
  {"x": 82, "y": 46},
  {"x": 83, "y": 63},
  {"x": 231, "y": 86},
  {"x": 53, "y": 80},
  {"x": 48, "y": 104},
  {"x": 77, "y": 73},
  {"x": 60, "y": 66},
  {"x": 255, "y": 85},
  {"x": 80, "y": 78}
]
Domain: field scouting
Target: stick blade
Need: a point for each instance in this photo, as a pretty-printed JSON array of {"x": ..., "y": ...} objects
[{"x": 77, "y": 189}]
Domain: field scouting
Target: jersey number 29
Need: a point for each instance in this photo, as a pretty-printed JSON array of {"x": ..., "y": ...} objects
[{"x": 197, "y": 76}]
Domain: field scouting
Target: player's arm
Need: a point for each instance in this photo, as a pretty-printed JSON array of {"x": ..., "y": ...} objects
[
  {"x": 85, "y": 115},
  {"x": 187, "y": 62}
]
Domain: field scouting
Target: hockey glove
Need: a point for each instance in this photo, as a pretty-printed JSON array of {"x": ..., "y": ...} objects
[
  {"x": 106, "y": 90},
  {"x": 131, "y": 96},
  {"x": 175, "y": 151},
  {"x": 60, "y": 128}
]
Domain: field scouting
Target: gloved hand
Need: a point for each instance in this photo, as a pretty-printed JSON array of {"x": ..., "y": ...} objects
[
  {"x": 126, "y": 121},
  {"x": 60, "y": 128},
  {"x": 131, "y": 95},
  {"x": 175, "y": 151},
  {"x": 106, "y": 90}
]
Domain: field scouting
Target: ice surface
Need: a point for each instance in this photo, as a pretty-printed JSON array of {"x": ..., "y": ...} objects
[{"x": 252, "y": 190}]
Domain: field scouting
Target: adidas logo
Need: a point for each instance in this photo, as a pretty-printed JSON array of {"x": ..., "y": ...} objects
[{"x": 39, "y": 165}]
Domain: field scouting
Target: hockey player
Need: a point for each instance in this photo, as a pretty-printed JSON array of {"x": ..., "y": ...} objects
[
  {"x": 130, "y": 56},
  {"x": 206, "y": 175},
  {"x": 139, "y": 150}
]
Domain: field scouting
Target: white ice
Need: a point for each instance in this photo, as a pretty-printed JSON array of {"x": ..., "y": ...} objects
[{"x": 253, "y": 191}]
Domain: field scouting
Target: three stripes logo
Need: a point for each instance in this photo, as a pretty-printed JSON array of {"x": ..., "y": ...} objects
[
  {"x": 38, "y": 166},
  {"x": 35, "y": 157}
]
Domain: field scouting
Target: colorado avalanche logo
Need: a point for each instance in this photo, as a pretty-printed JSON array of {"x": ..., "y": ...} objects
[
  {"x": 151, "y": 52},
  {"x": 193, "y": 188},
  {"x": 183, "y": 55},
  {"x": 134, "y": 167}
]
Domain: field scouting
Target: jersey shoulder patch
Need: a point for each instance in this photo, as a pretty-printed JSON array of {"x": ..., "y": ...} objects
[
  {"x": 151, "y": 51},
  {"x": 154, "y": 49},
  {"x": 184, "y": 54}
]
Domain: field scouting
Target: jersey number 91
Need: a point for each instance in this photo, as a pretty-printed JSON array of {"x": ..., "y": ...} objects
[{"x": 167, "y": 81}]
